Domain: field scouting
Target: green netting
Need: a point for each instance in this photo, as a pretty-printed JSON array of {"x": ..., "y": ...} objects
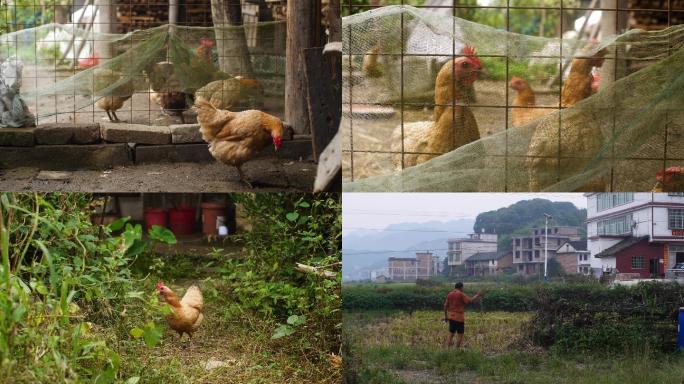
[
  {"x": 166, "y": 59},
  {"x": 615, "y": 139}
]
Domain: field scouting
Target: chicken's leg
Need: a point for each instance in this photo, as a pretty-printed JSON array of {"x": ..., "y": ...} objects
[
  {"x": 116, "y": 118},
  {"x": 109, "y": 115},
  {"x": 242, "y": 177}
]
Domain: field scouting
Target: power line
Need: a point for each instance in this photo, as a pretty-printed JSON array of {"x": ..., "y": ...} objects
[{"x": 403, "y": 230}]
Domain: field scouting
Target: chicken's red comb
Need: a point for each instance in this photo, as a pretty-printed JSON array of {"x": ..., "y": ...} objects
[
  {"x": 160, "y": 284},
  {"x": 207, "y": 42},
  {"x": 469, "y": 51}
]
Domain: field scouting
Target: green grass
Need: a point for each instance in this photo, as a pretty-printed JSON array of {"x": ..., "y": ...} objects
[
  {"x": 397, "y": 348},
  {"x": 242, "y": 340}
]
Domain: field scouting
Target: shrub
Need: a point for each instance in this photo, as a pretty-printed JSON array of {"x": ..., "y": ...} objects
[{"x": 590, "y": 317}]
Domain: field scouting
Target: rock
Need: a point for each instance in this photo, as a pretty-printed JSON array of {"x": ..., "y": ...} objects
[
  {"x": 53, "y": 175},
  {"x": 213, "y": 364},
  {"x": 67, "y": 133},
  {"x": 17, "y": 137},
  {"x": 185, "y": 133},
  {"x": 135, "y": 133}
]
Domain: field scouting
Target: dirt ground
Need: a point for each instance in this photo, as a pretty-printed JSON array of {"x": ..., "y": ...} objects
[{"x": 265, "y": 174}]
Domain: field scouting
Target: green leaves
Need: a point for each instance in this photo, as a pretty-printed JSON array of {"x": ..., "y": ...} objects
[
  {"x": 151, "y": 334},
  {"x": 162, "y": 235},
  {"x": 292, "y": 216},
  {"x": 282, "y": 331},
  {"x": 137, "y": 332}
]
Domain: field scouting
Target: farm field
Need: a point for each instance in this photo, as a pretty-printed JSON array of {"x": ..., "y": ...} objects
[
  {"x": 395, "y": 347},
  {"x": 519, "y": 332}
]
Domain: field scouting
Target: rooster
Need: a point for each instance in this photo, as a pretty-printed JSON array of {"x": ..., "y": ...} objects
[
  {"x": 453, "y": 125},
  {"x": 186, "y": 315},
  {"x": 236, "y": 137},
  {"x": 578, "y": 85}
]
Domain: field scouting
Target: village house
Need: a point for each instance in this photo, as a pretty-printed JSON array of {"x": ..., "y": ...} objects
[
  {"x": 461, "y": 249},
  {"x": 640, "y": 234},
  {"x": 423, "y": 266},
  {"x": 488, "y": 263},
  {"x": 573, "y": 256},
  {"x": 528, "y": 250}
]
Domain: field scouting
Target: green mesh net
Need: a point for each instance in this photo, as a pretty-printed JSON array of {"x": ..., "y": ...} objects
[
  {"x": 615, "y": 131},
  {"x": 63, "y": 79}
]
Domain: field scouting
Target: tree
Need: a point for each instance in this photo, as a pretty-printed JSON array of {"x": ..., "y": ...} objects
[{"x": 231, "y": 41}]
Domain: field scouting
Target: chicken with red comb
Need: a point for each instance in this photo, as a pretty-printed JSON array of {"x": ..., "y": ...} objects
[
  {"x": 453, "y": 124},
  {"x": 186, "y": 313}
]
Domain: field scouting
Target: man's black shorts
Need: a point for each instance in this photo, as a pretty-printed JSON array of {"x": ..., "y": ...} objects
[{"x": 456, "y": 327}]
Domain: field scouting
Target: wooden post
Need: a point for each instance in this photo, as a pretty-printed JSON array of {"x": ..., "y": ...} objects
[
  {"x": 334, "y": 20},
  {"x": 303, "y": 31},
  {"x": 231, "y": 41}
]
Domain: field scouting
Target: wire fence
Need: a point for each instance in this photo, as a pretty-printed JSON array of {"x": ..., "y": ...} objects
[
  {"x": 376, "y": 140},
  {"x": 85, "y": 61}
]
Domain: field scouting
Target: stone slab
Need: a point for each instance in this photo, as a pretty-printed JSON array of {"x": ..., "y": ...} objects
[
  {"x": 67, "y": 133},
  {"x": 135, "y": 133},
  {"x": 17, "y": 137},
  {"x": 185, "y": 133},
  {"x": 66, "y": 157},
  {"x": 53, "y": 175},
  {"x": 177, "y": 153}
]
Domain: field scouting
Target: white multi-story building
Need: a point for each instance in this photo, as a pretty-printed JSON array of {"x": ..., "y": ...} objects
[
  {"x": 636, "y": 233},
  {"x": 460, "y": 249}
]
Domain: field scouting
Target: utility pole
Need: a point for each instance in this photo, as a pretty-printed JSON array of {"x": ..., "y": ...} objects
[{"x": 546, "y": 245}]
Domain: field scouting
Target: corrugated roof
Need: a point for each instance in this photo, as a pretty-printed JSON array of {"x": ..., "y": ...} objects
[{"x": 621, "y": 246}]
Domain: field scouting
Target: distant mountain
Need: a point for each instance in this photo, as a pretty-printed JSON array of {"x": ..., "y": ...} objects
[
  {"x": 364, "y": 251},
  {"x": 524, "y": 215},
  {"x": 404, "y": 235}
]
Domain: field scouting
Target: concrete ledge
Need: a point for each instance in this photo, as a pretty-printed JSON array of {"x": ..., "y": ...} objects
[
  {"x": 185, "y": 133},
  {"x": 66, "y": 157},
  {"x": 135, "y": 133},
  {"x": 17, "y": 137},
  {"x": 67, "y": 133},
  {"x": 195, "y": 153}
]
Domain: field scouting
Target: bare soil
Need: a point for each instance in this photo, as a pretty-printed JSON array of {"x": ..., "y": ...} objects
[{"x": 267, "y": 174}]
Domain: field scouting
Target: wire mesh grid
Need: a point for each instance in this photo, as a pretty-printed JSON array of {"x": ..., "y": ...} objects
[
  {"x": 493, "y": 103},
  {"x": 63, "y": 44}
]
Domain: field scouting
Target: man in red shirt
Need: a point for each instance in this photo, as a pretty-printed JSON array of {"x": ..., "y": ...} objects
[{"x": 454, "y": 308}]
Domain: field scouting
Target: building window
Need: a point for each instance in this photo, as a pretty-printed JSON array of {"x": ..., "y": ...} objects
[
  {"x": 676, "y": 218},
  {"x": 520, "y": 267},
  {"x": 555, "y": 230},
  {"x": 537, "y": 241},
  {"x": 517, "y": 242},
  {"x": 618, "y": 226},
  {"x": 517, "y": 254},
  {"x": 609, "y": 200},
  {"x": 536, "y": 253},
  {"x": 638, "y": 262},
  {"x": 675, "y": 194}
]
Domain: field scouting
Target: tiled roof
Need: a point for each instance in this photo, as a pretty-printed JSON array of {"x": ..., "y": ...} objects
[{"x": 621, "y": 246}]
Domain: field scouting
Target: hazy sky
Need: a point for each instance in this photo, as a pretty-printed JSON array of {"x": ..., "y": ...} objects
[{"x": 378, "y": 210}]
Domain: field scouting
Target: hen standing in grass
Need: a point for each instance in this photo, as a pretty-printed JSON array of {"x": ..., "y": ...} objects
[{"x": 187, "y": 312}]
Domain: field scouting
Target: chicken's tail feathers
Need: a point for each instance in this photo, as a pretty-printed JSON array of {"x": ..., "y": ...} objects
[{"x": 193, "y": 297}]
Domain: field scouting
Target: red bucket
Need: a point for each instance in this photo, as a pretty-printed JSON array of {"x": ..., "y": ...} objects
[
  {"x": 182, "y": 220},
  {"x": 211, "y": 212},
  {"x": 155, "y": 216}
]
